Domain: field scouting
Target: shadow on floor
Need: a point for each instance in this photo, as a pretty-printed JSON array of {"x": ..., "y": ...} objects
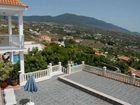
[{"x": 23, "y": 101}]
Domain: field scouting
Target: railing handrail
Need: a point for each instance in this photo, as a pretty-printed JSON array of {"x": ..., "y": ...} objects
[
  {"x": 75, "y": 66},
  {"x": 35, "y": 72},
  {"x": 113, "y": 72},
  {"x": 94, "y": 67},
  {"x": 114, "y": 75},
  {"x": 41, "y": 74},
  {"x": 55, "y": 66}
]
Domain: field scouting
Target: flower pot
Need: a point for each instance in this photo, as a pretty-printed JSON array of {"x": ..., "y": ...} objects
[
  {"x": 14, "y": 83},
  {"x": 4, "y": 85}
]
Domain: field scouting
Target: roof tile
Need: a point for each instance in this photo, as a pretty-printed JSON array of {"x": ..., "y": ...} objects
[{"x": 12, "y": 3}]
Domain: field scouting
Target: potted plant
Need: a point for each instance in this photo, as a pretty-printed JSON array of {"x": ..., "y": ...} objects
[
  {"x": 14, "y": 82},
  {"x": 5, "y": 69},
  {"x": 14, "y": 78},
  {"x": 14, "y": 75}
]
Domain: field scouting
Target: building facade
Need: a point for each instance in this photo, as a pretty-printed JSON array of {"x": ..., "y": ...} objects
[{"x": 13, "y": 43}]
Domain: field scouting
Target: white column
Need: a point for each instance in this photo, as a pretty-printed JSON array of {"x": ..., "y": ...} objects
[
  {"x": 83, "y": 62},
  {"x": 69, "y": 68},
  {"x": 22, "y": 70},
  {"x": 21, "y": 35},
  {"x": 50, "y": 69},
  {"x": 133, "y": 78},
  {"x": 20, "y": 20},
  {"x": 10, "y": 25},
  {"x": 83, "y": 65},
  {"x": 60, "y": 66},
  {"x": 105, "y": 69},
  {"x": 10, "y": 29}
]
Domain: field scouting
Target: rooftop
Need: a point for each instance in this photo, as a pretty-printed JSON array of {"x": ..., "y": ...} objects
[
  {"x": 134, "y": 71},
  {"x": 124, "y": 58},
  {"x": 12, "y": 3},
  {"x": 81, "y": 85},
  {"x": 54, "y": 92},
  {"x": 122, "y": 91}
]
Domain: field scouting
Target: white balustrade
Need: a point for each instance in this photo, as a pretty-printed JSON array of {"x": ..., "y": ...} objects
[
  {"x": 55, "y": 68},
  {"x": 113, "y": 75},
  {"x": 64, "y": 70},
  {"x": 76, "y": 68},
  {"x": 38, "y": 75},
  {"x": 58, "y": 69},
  {"x": 42, "y": 74}
]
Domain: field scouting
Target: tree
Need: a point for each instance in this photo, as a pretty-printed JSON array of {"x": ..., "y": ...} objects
[
  {"x": 35, "y": 61},
  {"x": 123, "y": 66}
]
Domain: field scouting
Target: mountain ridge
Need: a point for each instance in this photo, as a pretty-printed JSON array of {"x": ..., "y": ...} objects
[{"x": 74, "y": 19}]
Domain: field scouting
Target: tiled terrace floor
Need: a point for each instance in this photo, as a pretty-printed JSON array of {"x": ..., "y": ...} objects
[
  {"x": 54, "y": 92},
  {"x": 125, "y": 92}
]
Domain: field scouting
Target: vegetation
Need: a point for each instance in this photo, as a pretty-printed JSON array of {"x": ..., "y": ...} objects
[
  {"x": 35, "y": 61},
  {"x": 14, "y": 75},
  {"x": 5, "y": 70},
  {"x": 123, "y": 66},
  {"x": 113, "y": 42},
  {"x": 38, "y": 60}
]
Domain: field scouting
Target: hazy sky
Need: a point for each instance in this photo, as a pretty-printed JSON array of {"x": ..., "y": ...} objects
[{"x": 124, "y": 13}]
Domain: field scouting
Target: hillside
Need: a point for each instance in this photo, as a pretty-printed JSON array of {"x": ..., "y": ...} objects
[{"x": 77, "y": 20}]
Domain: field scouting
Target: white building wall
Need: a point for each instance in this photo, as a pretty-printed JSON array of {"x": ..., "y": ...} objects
[{"x": 29, "y": 45}]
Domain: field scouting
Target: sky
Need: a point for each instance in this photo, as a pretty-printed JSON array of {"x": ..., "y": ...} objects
[{"x": 124, "y": 13}]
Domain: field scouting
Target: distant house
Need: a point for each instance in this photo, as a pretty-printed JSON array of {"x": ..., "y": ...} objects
[
  {"x": 78, "y": 40},
  {"x": 34, "y": 32},
  {"x": 134, "y": 71},
  {"x": 124, "y": 58},
  {"x": 30, "y": 45},
  {"x": 67, "y": 37},
  {"x": 45, "y": 38},
  {"x": 99, "y": 53},
  {"x": 62, "y": 43},
  {"x": 137, "y": 73}
]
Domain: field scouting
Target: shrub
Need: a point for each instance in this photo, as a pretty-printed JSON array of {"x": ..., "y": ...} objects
[{"x": 5, "y": 69}]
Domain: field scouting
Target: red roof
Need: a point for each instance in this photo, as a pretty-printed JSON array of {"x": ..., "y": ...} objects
[
  {"x": 12, "y": 3},
  {"x": 137, "y": 72},
  {"x": 124, "y": 58},
  {"x": 134, "y": 71}
]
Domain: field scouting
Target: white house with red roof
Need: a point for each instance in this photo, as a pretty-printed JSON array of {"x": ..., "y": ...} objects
[
  {"x": 124, "y": 58},
  {"x": 13, "y": 43},
  {"x": 134, "y": 72}
]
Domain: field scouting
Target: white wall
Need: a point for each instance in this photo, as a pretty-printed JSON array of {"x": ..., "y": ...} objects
[{"x": 29, "y": 45}]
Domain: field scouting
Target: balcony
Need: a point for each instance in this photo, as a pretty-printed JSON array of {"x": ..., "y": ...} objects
[{"x": 11, "y": 42}]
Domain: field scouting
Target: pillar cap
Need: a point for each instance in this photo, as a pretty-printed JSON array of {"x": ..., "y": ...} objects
[
  {"x": 104, "y": 67},
  {"x": 20, "y": 71}
]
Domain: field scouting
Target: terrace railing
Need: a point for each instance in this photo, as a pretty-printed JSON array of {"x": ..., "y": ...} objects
[
  {"x": 58, "y": 69},
  {"x": 113, "y": 75},
  {"x": 15, "y": 41},
  {"x": 42, "y": 74},
  {"x": 76, "y": 68},
  {"x": 64, "y": 70},
  {"x": 55, "y": 68},
  {"x": 38, "y": 75}
]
